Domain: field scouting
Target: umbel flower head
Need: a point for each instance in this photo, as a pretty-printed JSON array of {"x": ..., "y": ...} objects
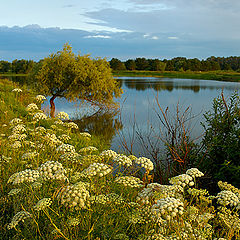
[
  {"x": 129, "y": 181},
  {"x": 42, "y": 204},
  {"x": 52, "y": 170},
  {"x": 62, "y": 116},
  {"x": 145, "y": 163},
  {"x": 66, "y": 148},
  {"x": 97, "y": 169},
  {"x": 32, "y": 107},
  {"x": 40, "y": 98},
  {"x": 17, "y": 90},
  {"x": 74, "y": 196},
  {"x": 39, "y": 116},
  {"x": 20, "y": 216},
  {"x": 27, "y": 175},
  {"x": 123, "y": 160}
]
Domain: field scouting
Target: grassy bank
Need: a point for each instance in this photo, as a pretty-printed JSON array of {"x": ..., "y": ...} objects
[
  {"x": 215, "y": 75},
  {"x": 59, "y": 183}
]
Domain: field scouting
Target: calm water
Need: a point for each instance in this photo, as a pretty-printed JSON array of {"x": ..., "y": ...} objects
[{"x": 138, "y": 113}]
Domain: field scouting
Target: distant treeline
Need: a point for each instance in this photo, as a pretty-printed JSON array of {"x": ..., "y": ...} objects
[
  {"x": 17, "y": 66},
  {"x": 178, "y": 64}
]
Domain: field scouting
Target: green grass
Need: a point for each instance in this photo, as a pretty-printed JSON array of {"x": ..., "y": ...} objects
[
  {"x": 214, "y": 75},
  {"x": 74, "y": 198}
]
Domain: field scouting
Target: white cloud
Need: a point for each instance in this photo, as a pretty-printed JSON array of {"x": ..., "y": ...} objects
[
  {"x": 97, "y": 36},
  {"x": 154, "y": 38},
  {"x": 173, "y": 38}
]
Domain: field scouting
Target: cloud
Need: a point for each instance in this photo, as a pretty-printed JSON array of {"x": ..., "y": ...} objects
[
  {"x": 68, "y": 6},
  {"x": 174, "y": 38},
  {"x": 97, "y": 36}
]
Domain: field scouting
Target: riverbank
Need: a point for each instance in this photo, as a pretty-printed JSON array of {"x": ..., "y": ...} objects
[{"x": 215, "y": 75}]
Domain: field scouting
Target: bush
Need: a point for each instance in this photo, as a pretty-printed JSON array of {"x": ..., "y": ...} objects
[{"x": 222, "y": 139}]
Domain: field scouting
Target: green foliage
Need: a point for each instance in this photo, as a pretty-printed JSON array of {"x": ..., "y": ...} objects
[
  {"x": 64, "y": 74},
  {"x": 222, "y": 139}
]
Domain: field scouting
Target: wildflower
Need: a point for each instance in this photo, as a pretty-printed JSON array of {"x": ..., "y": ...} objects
[
  {"x": 71, "y": 156},
  {"x": 226, "y": 197},
  {"x": 40, "y": 98},
  {"x": 4, "y": 159},
  {"x": 64, "y": 138},
  {"x": 72, "y": 222},
  {"x": 14, "y": 191},
  {"x": 42, "y": 204},
  {"x": 27, "y": 175},
  {"x": 52, "y": 170},
  {"x": 15, "y": 121},
  {"x": 97, "y": 169},
  {"x": 194, "y": 172},
  {"x": 71, "y": 125},
  {"x": 36, "y": 185},
  {"x": 108, "y": 154},
  {"x": 52, "y": 140},
  {"x": 167, "y": 208},
  {"x": 129, "y": 181},
  {"x": 16, "y": 145},
  {"x": 20, "y": 216},
  {"x": 74, "y": 196},
  {"x": 89, "y": 149},
  {"x": 17, "y": 137},
  {"x": 123, "y": 160},
  {"x": 62, "y": 116},
  {"x": 182, "y": 180},
  {"x": 85, "y": 134},
  {"x": 32, "y": 107},
  {"x": 229, "y": 187},
  {"x": 20, "y": 128},
  {"x": 17, "y": 90},
  {"x": 30, "y": 155},
  {"x": 39, "y": 116},
  {"x": 59, "y": 122},
  {"x": 4, "y": 125},
  {"x": 65, "y": 148},
  {"x": 145, "y": 163},
  {"x": 40, "y": 130}
]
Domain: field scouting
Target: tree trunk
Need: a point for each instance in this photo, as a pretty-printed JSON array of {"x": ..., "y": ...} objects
[{"x": 52, "y": 108}]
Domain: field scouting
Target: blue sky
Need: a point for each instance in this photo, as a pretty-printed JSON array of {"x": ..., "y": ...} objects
[{"x": 123, "y": 29}]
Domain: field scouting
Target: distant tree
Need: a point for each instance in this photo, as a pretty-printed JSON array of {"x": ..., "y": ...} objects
[
  {"x": 130, "y": 64},
  {"x": 142, "y": 64},
  {"x": 64, "y": 74},
  {"x": 22, "y": 66},
  {"x": 5, "y": 66},
  {"x": 116, "y": 64},
  {"x": 156, "y": 65}
]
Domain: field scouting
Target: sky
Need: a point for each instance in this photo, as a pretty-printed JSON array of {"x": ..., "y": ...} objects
[{"x": 123, "y": 29}]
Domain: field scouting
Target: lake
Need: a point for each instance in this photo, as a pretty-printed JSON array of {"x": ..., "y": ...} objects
[{"x": 137, "y": 118}]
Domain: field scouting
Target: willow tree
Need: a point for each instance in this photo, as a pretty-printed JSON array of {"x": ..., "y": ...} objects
[{"x": 64, "y": 74}]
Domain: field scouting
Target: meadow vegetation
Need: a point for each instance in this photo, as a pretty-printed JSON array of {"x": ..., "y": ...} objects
[{"x": 60, "y": 183}]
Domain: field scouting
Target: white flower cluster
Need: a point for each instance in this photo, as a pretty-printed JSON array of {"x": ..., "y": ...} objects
[
  {"x": 66, "y": 148},
  {"x": 40, "y": 129},
  {"x": 15, "y": 121},
  {"x": 71, "y": 156},
  {"x": 42, "y": 204},
  {"x": 62, "y": 116},
  {"x": 30, "y": 155},
  {"x": 204, "y": 218},
  {"x": 39, "y": 116},
  {"x": 194, "y": 172},
  {"x": 52, "y": 140},
  {"x": 129, "y": 181},
  {"x": 167, "y": 208},
  {"x": 17, "y": 90},
  {"x": 85, "y": 134},
  {"x": 20, "y": 216},
  {"x": 108, "y": 153},
  {"x": 16, "y": 145},
  {"x": 229, "y": 187},
  {"x": 64, "y": 138},
  {"x": 97, "y": 169},
  {"x": 88, "y": 149},
  {"x": 72, "y": 222},
  {"x": 17, "y": 137},
  {"x": 226, "y": 197},
  {"x": 14, "y": 191},
  {"x": 52, "y": 170},
  {"x": 27, "y": 175},
  {"x": 40, "y": 98},
  {"x": 59, "y": 122},
  {"x": 74, "y": 196},
  {"x": 32, "y": 107},
  {"x": 197, "y": 192},
  {"x": 182, "y": 180},
  {"x": 123, "y": 160},
  {"x": 20, "y": 128},
  {"x": 71, "y": 125},
  {"x": 145, "y": 163}
]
